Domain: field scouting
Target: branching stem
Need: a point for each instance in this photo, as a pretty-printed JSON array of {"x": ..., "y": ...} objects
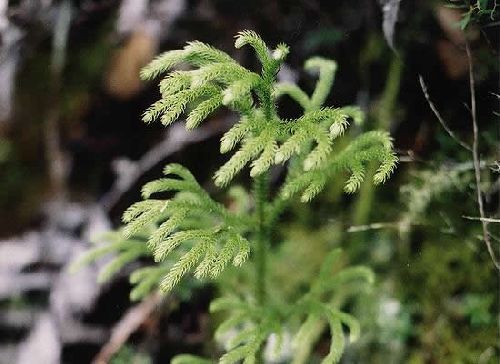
[{"x": 477, "y": 161}]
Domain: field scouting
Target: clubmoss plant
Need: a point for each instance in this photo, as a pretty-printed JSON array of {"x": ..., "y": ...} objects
[{"x": 191, "y": 232}]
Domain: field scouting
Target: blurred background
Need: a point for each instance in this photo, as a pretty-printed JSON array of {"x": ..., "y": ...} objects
[{"x": 74, "y": 154}]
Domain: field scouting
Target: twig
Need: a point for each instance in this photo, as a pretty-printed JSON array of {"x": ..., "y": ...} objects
[
  {"x": 438, "y": 115},
  {"x": 476, "y": 159},
  {"x": 486, "y": 219},
  {"x": 374, "y": 226},
  {"x": 129, "y": 323}
]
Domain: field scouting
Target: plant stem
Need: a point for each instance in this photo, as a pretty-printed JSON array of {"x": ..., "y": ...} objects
[
  {"x": 477, "y": 160},
  {"x": 262, "y": 239}
]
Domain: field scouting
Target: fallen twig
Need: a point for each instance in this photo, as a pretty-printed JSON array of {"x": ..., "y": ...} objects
[{"x": 129, "y": 323}]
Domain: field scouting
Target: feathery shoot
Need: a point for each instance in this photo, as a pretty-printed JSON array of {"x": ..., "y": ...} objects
[{"x": 189, "y": 232}]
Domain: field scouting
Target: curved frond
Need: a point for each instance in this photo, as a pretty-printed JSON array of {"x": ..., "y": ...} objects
[
  {"x": 327, "y": 69},
  {"x": 206, "y": 249},
  {"x": 255, "y": 41}
]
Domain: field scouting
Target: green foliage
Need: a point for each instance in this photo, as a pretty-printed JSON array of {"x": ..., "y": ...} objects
[
  {"x": 264, "y": 138},
  {"x": 247, "y": 326},
  {"x": 461, "y": 321},
  {"x": 125, "y": 250},
  {"x": 444, "y": 283},
  {"x": 190, "y": 218},
  {"x": 185, "y": 230},
  {"x": 427, "y": 185},
  {"x": 477, "y": 308},
  {"x": 475, "y": 11},
  {"x": 127, "y": 355}
]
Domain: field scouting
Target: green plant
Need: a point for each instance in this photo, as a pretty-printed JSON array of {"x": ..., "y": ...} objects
[
  {"x": 475, "y": 11},
  {"x": 192, "y": 232},
  {"x": 127, "y": 355}
]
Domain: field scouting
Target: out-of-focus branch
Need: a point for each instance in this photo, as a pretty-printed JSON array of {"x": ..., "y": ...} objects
[
  {"x": 374, "y": 226},
  {"x": 10, "y": 36},
  {"x": 487, "y": 219},
  {"x": 476, "y": 159},
  {"x": 176, "y": 139},
  {"x": 129, "y": 323},
  {"x": 55, "y": 158}
]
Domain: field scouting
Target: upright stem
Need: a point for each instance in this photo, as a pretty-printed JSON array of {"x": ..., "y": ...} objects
[
  {"x": 477, "y": 161},
  {"x": 261, "y": 196}
]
